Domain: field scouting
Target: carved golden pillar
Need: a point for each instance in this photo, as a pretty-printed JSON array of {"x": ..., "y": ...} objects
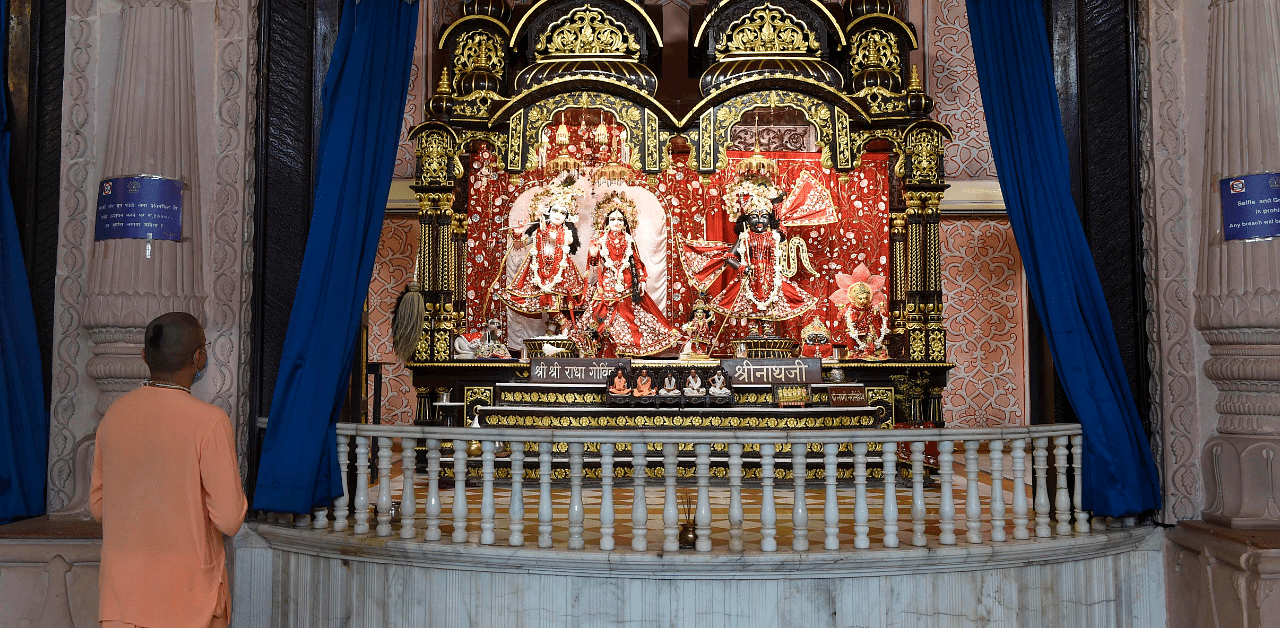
[
  {"x": 438, "y": 247},
  {"x": 898, "y": 284},
  {"x": 932, "y": 298},
  {"x": 436, "y": 261},
  {"x": 915, "y": 320},
  {"x": 926, "y": 334},
  {"x": 459, "y": 263}
]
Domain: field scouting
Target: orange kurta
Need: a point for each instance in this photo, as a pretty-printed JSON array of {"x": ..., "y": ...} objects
[{"x": 166, "y": 487}]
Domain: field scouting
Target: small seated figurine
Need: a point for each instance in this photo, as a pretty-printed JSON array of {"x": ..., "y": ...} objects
[
  {"x": 619, "y": 385},
  {"x": 490, "y": 345},
  {"x": 644, "y": 384},
  {"x": 817, "y": 341},
  {"x": 719, "y": 384},
  {"x": 693, "y": 385},
  {"x": 669, "y": 386}
]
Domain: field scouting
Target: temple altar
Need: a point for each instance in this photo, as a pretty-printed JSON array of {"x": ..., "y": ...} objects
[{"x": 566, "y": 211}]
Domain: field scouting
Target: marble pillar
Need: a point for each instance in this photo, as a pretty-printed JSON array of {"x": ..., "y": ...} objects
[
  {"x": 150, "y": 130},
  {"x": 1238, "y": 289}
]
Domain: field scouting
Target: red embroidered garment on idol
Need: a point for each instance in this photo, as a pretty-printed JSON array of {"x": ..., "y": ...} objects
[
  {"x": 548, "y": 280},
  {"x": 757, "y": 289},
  {"x": 626, "y": 328}
]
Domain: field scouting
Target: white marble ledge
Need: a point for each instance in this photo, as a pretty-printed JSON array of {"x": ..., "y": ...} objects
[
  {"x": 27, "y": 550},
  {"x": 716, "y": 564},
  {"x": 1256, "y": 551}
]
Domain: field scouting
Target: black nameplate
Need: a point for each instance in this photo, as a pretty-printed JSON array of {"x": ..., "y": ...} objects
[
  {"x": 774, "y": 371},
  {"x": 574, "y": 370}
]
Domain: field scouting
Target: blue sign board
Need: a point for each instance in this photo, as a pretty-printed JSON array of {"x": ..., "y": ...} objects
[
  {"x": 139, "y": 207},
  {"x": 1251, "y": 206}
]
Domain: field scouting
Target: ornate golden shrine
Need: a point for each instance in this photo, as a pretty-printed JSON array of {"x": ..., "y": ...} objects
[{"x": 508, "y": 81}]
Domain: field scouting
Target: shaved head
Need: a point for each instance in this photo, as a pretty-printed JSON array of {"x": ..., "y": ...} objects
[{"x": 170, "y": 342}]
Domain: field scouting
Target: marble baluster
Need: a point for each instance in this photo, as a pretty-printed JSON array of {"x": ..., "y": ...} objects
[
  {"x": 1077, "y": 497},
  {"x": 1040, "y": 453},
  {"x": 946, "y": 502},
  {"x": 972, "y": 500},
  {"x": 996, "y": 449},
  {"x": 384, "y": 487},
  {"x": 890, "y": 511},
  {"x": 459, "y": 491},
  {"x": 735, "y": 497},
  {"x": 639, "y": 503},
  {"x": 544, "y": 494},
  {"x": 861, "y": 513},
  {"x": 431, "y": 509},
  {"x": 702, "y": 511},
  {"x": 408, "y": 500},
  {"x": 1018, "y": 453},
  {"x": 340, "y": 504},
  {"x": 606, "y": 497},
  {"x": 320, "y": 518},
  {"x": 576, "y": 511},
  {"x": 799, "y": 506},
  {"x": 488, "y": 510},
  {"x": 1062, "y": 501},
  {"x": 361, "y": 505},
  {"x": 515, "y": 507},
  {"x": 917, "y": 493},
  {"x": 768, "y": 511},
  {"x": 830, "y": 505},
  {"x": 302, "y": 521},
  {"x": 670, "y": 501}
]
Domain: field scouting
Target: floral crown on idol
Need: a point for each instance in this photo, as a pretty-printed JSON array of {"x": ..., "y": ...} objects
[
  {"x": 615, "y": 201},
  {"x": 560, "y": 193},
  {"x": 750, "y": 195}
]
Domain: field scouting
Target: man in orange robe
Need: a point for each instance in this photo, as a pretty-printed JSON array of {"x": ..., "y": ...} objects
[{"x": 166, "y": 487}]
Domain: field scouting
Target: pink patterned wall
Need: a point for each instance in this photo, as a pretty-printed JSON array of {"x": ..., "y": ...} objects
[
  {"x": 415, "y": 104},
  {"x": 985, "y": 306},
  {"x": 392, "y": 268},
  {"x": 952, "y": 80}
]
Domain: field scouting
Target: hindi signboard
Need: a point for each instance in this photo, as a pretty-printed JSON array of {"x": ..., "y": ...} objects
[
  {"x": 848, "y": 396},
  {"x": 139, "y": 207},
  {"x": 774, "y": 371},
  {"x": 574, "y": 370},
  {"x": 1251, "y": 206}
]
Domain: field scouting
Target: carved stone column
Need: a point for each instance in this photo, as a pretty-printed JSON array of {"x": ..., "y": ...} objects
[
  {"x": 1238, "y": 289},
  {"x": 151, "y": 130}
]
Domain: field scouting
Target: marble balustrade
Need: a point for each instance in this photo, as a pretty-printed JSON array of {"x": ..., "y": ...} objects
[{"x": 1034, "y": 496}]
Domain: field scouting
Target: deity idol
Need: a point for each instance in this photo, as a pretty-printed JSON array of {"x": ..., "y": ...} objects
[
  {"x": 816, "y": 341},
  {"x": 699, "y": 333},
  {"x": 757, "y": 282},
  {"x": 861, "y": 300},
  {"x": 548, "y": 282},
  {"x": 628, "y": 321}
]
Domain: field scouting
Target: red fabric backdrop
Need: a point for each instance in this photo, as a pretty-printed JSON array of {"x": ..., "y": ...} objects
[{"x": 694, "y": 211}]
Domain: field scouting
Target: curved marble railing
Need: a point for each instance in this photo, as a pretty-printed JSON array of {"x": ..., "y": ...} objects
[{"x": 973, "y": 497}]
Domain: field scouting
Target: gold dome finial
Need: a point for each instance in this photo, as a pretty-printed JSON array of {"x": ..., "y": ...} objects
[
  {"x": 873, "y": 57},
  {"x": 443, "y": 88}
]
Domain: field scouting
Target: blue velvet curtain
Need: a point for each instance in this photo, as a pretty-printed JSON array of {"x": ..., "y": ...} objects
[
  {"x": 1011, "y": 47},
  {"x": 363, "y": 104},
  {"x": 24, "y": 421}
]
